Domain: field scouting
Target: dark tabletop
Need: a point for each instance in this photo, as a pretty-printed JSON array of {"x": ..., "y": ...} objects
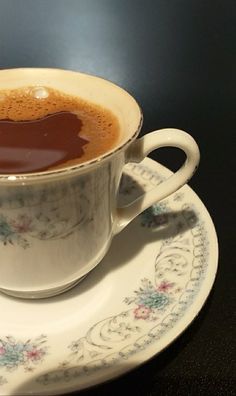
[{"x": 178, "y": 58}]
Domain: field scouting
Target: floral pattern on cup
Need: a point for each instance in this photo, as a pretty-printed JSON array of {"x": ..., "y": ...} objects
[
  {"x": 12, "y": 231},
  {"x": 15, "y": 353},
  {"x": 52, "y": 224},
  {"x": 151, "y": 300}
]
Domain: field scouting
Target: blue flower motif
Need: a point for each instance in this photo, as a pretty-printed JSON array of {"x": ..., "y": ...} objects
[
  {"x": 6, "y": 231},
  {"x": 150, "y": 299},
  {"x": 14, "y": 354},
  {"x": 155, "y": 300}
]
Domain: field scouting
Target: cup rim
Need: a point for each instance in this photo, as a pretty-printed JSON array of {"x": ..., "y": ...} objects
[{"x": 70, "y": 170}]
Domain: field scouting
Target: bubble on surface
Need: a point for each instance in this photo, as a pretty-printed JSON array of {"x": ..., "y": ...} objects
[{"x": 39, "y": 92}]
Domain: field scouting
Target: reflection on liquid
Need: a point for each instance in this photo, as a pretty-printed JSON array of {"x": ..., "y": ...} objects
[{"x": 37, "y": 145}]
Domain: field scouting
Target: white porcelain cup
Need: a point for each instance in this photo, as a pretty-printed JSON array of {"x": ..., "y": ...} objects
[{"x": 56, "y": 226}]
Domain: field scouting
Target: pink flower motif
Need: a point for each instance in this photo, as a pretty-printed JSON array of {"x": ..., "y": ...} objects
[
  {"x": 22, "y": 224},
  {"x": 35, "y": 354},
  {"x": 165, "y": 286},
  {"x": 2, "y": 351},
  {"x": 142, "y": 312}
]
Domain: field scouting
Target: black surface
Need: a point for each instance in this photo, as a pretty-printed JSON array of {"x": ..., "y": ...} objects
[{"x": 178, "y": 58}]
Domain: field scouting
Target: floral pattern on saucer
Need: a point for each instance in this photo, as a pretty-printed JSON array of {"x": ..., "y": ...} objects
[
  {"x": 156, "y": 304},
  {"x": 15, "y": 353},
  {"x": 155, "y": 216},
  {"x": 149, "y": 307},
  {"x": 150, "y": 300}
]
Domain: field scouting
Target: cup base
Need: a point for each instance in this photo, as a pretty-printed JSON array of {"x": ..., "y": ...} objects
[{"x": 41, "y": 293}]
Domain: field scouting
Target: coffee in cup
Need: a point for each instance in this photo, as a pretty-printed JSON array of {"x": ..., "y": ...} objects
[{"x": 42, "y": 128}]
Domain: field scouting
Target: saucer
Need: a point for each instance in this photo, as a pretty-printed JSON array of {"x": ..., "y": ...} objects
[{"x": 146, "y": 291}]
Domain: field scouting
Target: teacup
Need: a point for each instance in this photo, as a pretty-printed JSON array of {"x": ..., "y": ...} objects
[{"x": 57, "y": 225}]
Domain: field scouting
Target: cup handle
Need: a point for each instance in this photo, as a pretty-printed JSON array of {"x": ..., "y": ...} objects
[{"x": 138, "y": 150}]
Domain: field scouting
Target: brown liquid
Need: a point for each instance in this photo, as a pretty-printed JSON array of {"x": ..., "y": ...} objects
[{"x": 39, "y": 134}]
